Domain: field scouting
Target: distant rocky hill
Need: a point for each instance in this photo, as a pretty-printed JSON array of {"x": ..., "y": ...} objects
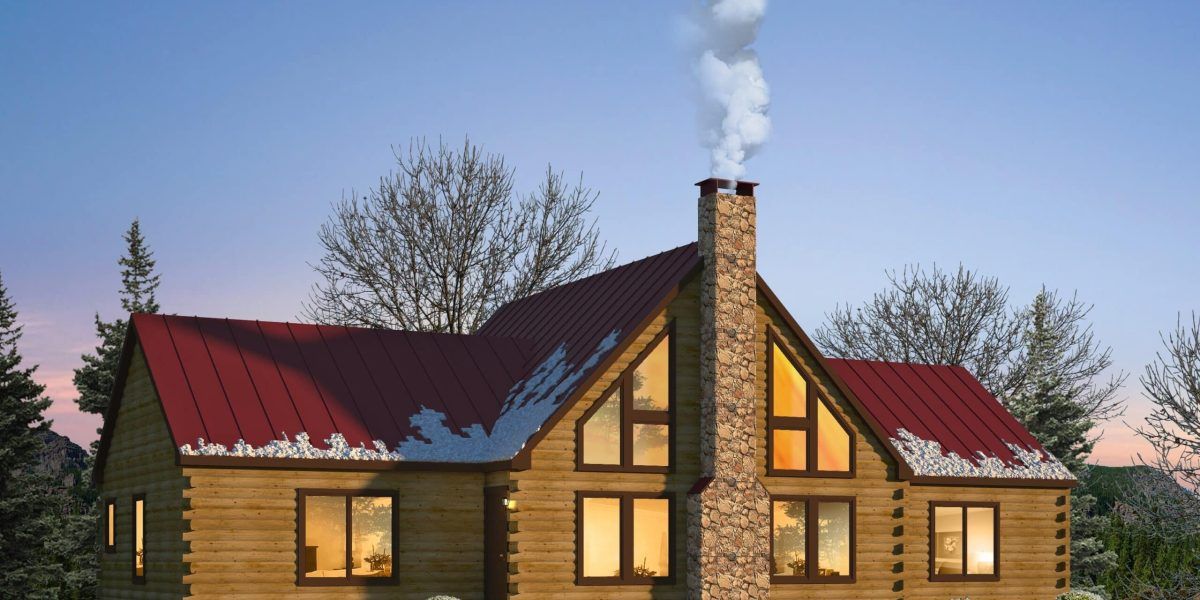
[{"x": 66, "y": 464}]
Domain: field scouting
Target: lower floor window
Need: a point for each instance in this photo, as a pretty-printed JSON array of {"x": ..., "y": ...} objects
[
  {"x": 346, "y": 535},
  {"x": 964, "y": 541},
  {"x": 812, "y": 539},
  {"x": 624, "y": 537}
]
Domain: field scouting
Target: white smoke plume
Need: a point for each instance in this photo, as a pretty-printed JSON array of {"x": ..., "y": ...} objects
[{"x": 733, "y": 93}]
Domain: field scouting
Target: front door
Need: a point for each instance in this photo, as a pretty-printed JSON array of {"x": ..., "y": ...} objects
[{"x": 495, "y": 543}]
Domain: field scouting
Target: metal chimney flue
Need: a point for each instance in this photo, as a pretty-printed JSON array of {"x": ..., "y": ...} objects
[{"x": 713, "y": 185}]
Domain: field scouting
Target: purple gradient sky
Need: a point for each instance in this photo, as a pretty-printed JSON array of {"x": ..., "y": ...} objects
[{"x": 1033, "y": 142}]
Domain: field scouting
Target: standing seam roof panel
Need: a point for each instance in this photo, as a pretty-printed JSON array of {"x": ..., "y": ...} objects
[
  {"x": 231, "y": 372},
  {"x": 958, "y": 419},
  {"x": 265, "y": 378},
  {"x": 175, "y": 395},
  {"x": 331, "y": 386},
  {"x": 202, "y": 379},
  {"x": 360, "y": 383},
  {"x": 1001, "y": 419},
  {"x": 971, "y": 413},
  {"x": 294, "y": 373}
]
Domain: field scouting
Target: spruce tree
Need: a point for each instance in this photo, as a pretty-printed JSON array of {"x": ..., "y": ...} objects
[
  {"x": 1056, "y": 401},
  {"x": 95, "y": 379},
  {"x": 24, "y": 503}
]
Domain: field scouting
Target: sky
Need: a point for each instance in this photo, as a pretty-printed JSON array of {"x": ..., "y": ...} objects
[{"x": 1040, "y": 143}]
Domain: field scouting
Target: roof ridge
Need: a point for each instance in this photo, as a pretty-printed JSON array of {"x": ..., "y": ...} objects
[{"x": 591, "y": 277}]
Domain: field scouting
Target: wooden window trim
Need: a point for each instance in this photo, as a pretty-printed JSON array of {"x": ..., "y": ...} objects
[
  {"x": 808, "y": 424},
  {"x": 811, "y": 543},
  {"x": 995, "y": 575},
  {"x": 630, "y": 417},
  {"x": 626, "y": 519},
  {"x": 350, "y": 579},
  {"x": 109, "y": 520},
  {"x": 133, "y": 530}
]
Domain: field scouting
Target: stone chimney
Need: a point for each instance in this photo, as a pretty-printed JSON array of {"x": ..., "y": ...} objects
[{"x": 728, "y": 509}]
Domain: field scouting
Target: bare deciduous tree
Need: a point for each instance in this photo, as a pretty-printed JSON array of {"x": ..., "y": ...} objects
[
  {"x": 441, "y": 243},
  {"x": 1172, "y": 383},
  {"x": 933, "y": 317}
]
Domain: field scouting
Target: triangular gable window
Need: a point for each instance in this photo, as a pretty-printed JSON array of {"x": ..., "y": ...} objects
[
  {"x": 805, "y": 435},
  {"x": 629, "y": 428}
]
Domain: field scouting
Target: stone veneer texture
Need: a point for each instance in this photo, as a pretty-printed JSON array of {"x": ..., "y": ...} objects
[{"x": 729, "y": 519}]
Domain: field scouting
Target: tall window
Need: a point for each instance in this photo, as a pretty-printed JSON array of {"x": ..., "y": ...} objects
[
  {"x": 805, "y": 436},
  {"x": 139, "y": 538},
  {"x": 623, "y": 538},
  {"x": 110, "y": 525},
  {"x": 964, "y": 541},
  {"x": 812, "y": 539},
  {"x": 629, "y": 428},
  {"x": 347, "y": 536}
]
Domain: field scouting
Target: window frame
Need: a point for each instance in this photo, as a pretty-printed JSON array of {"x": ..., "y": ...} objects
[
  {"x": 964, "y": 576},
  {"x": 807, "y": 424},
  {"x": 350, "y": 579},
  {"x": 630, "y": 416},
  {"x": 626, "y": 543},
  {"x": 109, "y": 522},
  {"x": 133, "y": 539},
  {"x": 812, "y": 543}
]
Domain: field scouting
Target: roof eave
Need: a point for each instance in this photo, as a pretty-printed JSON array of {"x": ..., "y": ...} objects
[{"x": 998, "y": 482}]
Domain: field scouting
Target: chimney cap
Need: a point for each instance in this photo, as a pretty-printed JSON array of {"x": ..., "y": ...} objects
[{"x": 713, "y": 184}]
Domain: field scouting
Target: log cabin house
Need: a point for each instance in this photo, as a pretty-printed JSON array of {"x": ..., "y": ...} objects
[{"x": 664, "y": 429}]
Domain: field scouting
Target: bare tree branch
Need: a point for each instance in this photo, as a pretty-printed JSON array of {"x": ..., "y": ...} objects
[
  {"x": 443, "y": 242},
  {"x": 1172, "y": 383},
  {"x": 932, "y": 317}
]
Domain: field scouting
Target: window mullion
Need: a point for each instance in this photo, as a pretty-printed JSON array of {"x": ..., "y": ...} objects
[
  {"x": 349, "y": 537},
  {"x": 810, "y": 540},
  {"x": 626, "y": 392},
  {"x": 964, "y": 541},
  {"x": 811, "y": 437}
]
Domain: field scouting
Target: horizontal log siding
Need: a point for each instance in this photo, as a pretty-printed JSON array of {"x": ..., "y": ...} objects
[
  {"x": 242, "y": 532},
  {"x": 1034, "y": 543},
  {"x": 893, "y": 516},
  {"x": 542, "y": 526},
  {"x": 141, "y": 460},
  {"x": 880, "y": 521}
]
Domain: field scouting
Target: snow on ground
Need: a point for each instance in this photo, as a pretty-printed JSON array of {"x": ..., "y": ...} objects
[
  {"x": 927, "y": 458},
  {"x": 529, "y": 404}
]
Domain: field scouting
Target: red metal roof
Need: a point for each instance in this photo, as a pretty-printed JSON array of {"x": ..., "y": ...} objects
[
  {"x": 225, "y": 380},
  {"x": 939, "y": 403}
]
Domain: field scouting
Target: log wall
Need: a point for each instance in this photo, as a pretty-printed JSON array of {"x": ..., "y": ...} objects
[{"x": 141, "y": 460}]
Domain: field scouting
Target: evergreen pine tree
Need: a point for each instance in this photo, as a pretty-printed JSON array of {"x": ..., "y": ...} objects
[
  {"x": 1056, "y": 404},
  {"x": 24, "y": 503},
  {"x": 95, "y": 379}
]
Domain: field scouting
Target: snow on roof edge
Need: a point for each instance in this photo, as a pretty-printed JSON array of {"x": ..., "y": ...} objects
[{"x": 529, "y": 404}]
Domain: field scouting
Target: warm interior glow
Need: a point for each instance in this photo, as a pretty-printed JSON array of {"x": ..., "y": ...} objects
[
  {"x": 110, "y": 535},
  {"x": 371, "y": 544},
  {"x": 651, "y": 537},
  {"x": 602, "y": 433},
  {"x": 325, "y": 536},
  {"x": 652, "y": 379},
  {"x": 789, "y": 449},
  {"x": 789, "y": 390},
  {"x": 981, "y": 539},
  {"x": 139, "y": 534},
  {"x": 833, "y": 441},
  {"x": 788, "y": 532},
  {"x": 833, "y": 539},
  {"x": 948, "y": 540},
  {"x": 650, "y": 445},
  {"x": 601, "y": 537}
]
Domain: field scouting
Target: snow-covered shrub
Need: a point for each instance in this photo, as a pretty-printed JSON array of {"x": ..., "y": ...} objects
[{"x": 1080, "y": 595}]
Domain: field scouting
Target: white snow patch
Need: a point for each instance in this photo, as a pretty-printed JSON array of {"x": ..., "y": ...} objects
[
  {"x": 529, "y": 403},
  {"x": 927, "y": 458}
]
